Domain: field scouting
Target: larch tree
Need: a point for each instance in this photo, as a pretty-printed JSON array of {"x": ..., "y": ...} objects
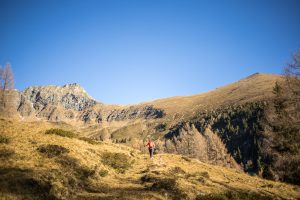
[
  {"x": 292, "y": 74},
  {"x": 7, "y": 94},
  {"x": 285, "y": 123}
]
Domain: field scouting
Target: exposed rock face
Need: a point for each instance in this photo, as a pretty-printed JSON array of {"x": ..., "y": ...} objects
[
  {"x": 25, "y": 107},
  {"x": 71, "y": 102},
  {"x": 147, "y": 112},
  {"x": 206, "y": 146},
  {"x": 54, "y": 103},
  {"x": 69, "y": 96},
  {"x": 91, "y": 115}
]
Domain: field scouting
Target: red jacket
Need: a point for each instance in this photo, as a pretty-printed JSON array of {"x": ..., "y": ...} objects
[{"x": 150, "y": 144}]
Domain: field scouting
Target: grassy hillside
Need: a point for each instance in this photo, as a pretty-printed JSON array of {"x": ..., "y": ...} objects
[
  {"x": 40, "y": 164},
  {"x": 253, "y": 88}
]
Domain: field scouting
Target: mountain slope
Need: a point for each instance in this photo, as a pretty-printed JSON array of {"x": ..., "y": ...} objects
[
  {"x": 61, "y": 165},
  {"x": 228, "y": 126},
  {"x": 256, "y": 87},
  {"x": 73, "y": 98}
]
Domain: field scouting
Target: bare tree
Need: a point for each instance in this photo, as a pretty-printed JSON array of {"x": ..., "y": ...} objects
[
  {"x": 292, "y": 74},
  {"x": 293, "y": 69},
  {"x": 7, "y": 95},
  {"x": 1, "y": 71},
  {"x": 7, "y": 78}
]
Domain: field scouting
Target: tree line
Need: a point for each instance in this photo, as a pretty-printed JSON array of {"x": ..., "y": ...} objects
[{"x": 285, "y": 125}]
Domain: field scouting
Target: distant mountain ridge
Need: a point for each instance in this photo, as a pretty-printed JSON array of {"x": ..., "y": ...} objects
[
  {"x": 72, "y": 102},
  {"x": 35, "y": 99}
]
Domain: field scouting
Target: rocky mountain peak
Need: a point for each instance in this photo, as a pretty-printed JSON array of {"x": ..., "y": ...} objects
[
  {"x": 69, "y": 96},
  {"x": 75, "y": 88}
]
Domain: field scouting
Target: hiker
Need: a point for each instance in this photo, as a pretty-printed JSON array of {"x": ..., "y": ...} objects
[{"x": 151, "y": 147}]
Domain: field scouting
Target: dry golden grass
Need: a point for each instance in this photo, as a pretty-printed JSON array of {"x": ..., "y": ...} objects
[
  {"x": 80, "y": 172},
  {"x": 253, "y": 88}
]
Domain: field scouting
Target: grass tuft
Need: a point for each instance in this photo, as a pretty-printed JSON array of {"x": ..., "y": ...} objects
[
  {"x": 177, "y": 170},
  {"x": 60, "y": 132},
  {"x": 4, "y": 139},
  {"x": 204, "y": 174},
  {"x": 52, "y": 150},
  {"x": 164, "y": 185},
  {"x": 118, "y": 161},
  {"x": 6, "y": 153},
  {"x": 71, "y": 163},
  {"x": 89, "y": 140},
  {"x": 103, "y": 173}
]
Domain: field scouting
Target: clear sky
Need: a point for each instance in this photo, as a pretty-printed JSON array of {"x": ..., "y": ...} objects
[{"x": 129, "y": 51}]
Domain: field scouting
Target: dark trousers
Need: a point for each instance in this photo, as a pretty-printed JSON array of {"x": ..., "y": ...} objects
[{"x": 151, "y": 151}]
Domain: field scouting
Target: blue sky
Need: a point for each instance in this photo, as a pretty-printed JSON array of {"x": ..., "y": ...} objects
[{"x": 129, "y": 51}]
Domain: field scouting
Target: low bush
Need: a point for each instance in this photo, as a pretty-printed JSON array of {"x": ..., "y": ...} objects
[
  {"x": 177, "y": 170},
  {"x": 204, "y": 174},
  {"x": 164, "y": 185},
  {"x": 268, "y": 173},
  {"x": 4, "y": 139},
  {"x": 89, "y": 140},
  {"x": 6, "y": 153},
  {"x": 168, "y": 184},
  {"x": 201, "y": 177},
  {"x": 103, "y": 172},
  {"x": 71, "y": 163},
  {"x": 60, "y": 132},
  {"x": 118, "y": 161},
  {"x": 52, "y": 150}
]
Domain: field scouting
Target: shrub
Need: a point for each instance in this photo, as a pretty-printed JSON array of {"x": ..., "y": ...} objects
[
  {"x": 168, "y": 185},
  {"x": 89, "y": 140},
  {"x": 4, "y": 139},
  {"x": 6, "y": 153},
  {"x": 52, "y": 150},
  {"x": 204, "y": 174},
  {"x": 177, "y": 170},
  {"x": 147, "y": 178},
  {"x": 199, "y": 176},
  {"x": 60, "y": 132},
  {"x": 68, "y": 162},
  {"x": 103, "y": 172},
  {"x": 84, "y": 172},
  {"x": 118, "y": 161},
  {"x": 71, "y": 163},
  {"x": 268, "y": 173}
]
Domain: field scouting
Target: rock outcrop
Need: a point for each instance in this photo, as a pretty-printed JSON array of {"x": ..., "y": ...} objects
[
  {"x": 71, "y": 102},
  {"x": 147, "y": 112},
  {"x": 70, "y": 96}
]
